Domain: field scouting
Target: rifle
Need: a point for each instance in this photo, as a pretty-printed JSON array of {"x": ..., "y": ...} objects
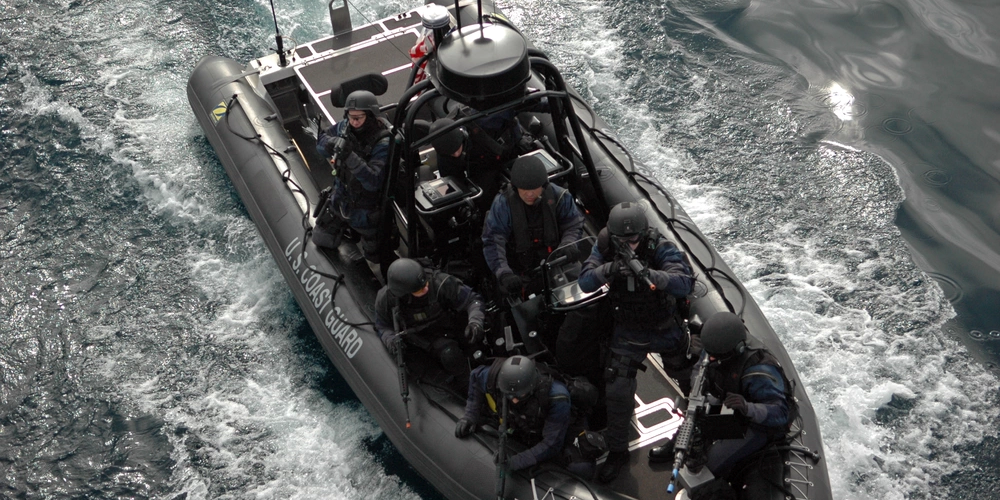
[
  {"x": 634, "y": 264},
  {"x": 502, "y": 450},
  {"x": 695, "y": 407},
  {"x": 404, "y": 388}
]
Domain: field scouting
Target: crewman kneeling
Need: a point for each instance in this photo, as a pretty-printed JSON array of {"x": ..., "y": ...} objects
[
  {"x": 539, "y": 414},
  {"x": 423, "y": 308}
]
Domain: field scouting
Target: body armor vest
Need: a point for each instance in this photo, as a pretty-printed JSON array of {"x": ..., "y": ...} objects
[
  {"x": 640, "y": 307},
  {"x": 527, "y": 418},
  {"x": 533, "y": 239},
  {"x": 498, "y": 144},
  {"x": 721, "y": 384},
  {"x": 359, "y": 196},
  {"x": 416, "y": 313}
]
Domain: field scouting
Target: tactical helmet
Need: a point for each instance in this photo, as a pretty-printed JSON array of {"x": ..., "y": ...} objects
[
  {"x": 362, "y": 100},
  {"x": 722, "y": 334},
  {"x": 517, "y": 377},
  {"x": 405, "y": 276},
  {"x": 447, "y": 144},
  {"x": 627, "y": 219},
  {"x": 529, "y": 173}
]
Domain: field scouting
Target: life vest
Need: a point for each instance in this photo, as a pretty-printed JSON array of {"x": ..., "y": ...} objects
[
  {"x": 640, "y": 307},
  {"x": 527, "y": 418},
  {"x": 356, "y": 192},
  {"x": 722, "y": 382},
  {"x": 533, "y": 238}
]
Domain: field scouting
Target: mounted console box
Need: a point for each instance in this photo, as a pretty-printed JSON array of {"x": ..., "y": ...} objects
[
  {"x": 438, "y": 195},
  {"x": 553, "y": 168}
]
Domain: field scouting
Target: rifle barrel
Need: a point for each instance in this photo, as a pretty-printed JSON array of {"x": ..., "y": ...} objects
[{"x": 501, "y": 451}]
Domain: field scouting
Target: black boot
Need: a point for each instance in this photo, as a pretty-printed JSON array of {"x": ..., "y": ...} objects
[
  {"x": 612, "y": 466},
  {"x": 663, "y": 453}
]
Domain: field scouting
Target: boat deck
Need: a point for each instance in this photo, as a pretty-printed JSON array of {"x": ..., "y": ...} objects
[{"x": 327, "y": 62}]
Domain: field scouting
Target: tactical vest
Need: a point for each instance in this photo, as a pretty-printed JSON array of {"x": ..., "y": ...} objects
[
  {"x": 641, "y": 308},
  {"x": 359, "y": 196},
  {"x": 731, "y": 382},
  {"x": 532, "y": 241},
  {"x": 419, "y": 312},
  {"x": 498, "y": 144},
  {"x": 527, "y": 418}
]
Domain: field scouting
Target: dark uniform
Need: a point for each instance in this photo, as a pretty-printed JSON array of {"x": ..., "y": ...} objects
[
  {"x": 748, "y": 379},
  {"x": 518, "y": 237},
  {"x": 433, "y": 322},
  {"x": 760, "y": 385},
  {"x": 543, "y": 419},
  {"x": 645, "y": 321},
  {"x": 356, "y": 198}
]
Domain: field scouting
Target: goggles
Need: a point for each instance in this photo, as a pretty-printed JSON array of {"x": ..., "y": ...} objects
[{"x": 632, "y": 238}]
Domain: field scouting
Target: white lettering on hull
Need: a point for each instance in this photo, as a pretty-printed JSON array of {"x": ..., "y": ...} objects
[{"x": 322, "y": 298}]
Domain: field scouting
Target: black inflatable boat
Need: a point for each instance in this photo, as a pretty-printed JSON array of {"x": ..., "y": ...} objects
[{"x": 262, "y": 119}]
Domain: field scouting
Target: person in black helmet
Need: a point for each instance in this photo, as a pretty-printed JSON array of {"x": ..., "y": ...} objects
[
  {"x": 539, "y": 412},
  {"x": 747, "y": 379},
  {"x": 450, "y": 148},
  {"x": 526, "y": 223},
  {"x": 645, "y": 320},
  {"x": 427, "y": 305},
  {"x": 357, "y": 148}
]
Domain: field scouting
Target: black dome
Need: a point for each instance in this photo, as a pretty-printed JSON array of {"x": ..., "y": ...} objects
[{"x": 482, "y": 67}]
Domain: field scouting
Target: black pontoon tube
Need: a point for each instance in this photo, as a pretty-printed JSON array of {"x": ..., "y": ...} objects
[{"x": 539, "y": 64}]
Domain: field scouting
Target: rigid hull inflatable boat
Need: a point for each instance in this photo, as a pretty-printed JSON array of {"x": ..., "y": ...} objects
[{"x": 262, "y": 120}]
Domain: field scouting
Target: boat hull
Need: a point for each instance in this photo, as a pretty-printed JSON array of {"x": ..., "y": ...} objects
[{"x": 270, "y": 170}]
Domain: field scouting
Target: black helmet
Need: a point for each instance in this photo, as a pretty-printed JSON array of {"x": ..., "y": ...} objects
[
  {"x": 627, "y": 219},
  {"x": 723, "y": 334},
  {"x": 447, "y": 144},
  {"x": 405, "y": 276},
  {"x": 517, "y": 377},
  {"x": 362, "y": 100},
  {"x": 528, "y": 172}
]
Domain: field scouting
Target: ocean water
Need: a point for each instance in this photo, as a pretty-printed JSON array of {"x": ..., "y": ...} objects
[{"x": 842, "y": 155}]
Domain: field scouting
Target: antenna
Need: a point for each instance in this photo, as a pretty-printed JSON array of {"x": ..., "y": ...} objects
[
  {"x": 458, "y": 16},
  {"x": 277, "y": 38}
]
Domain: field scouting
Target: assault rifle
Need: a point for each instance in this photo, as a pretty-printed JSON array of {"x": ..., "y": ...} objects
[
  {"x": 335, "y": 148},
  {"x": 404, "y": 388},
  {"x": 502, "y": 450},
  {"x": 634, "y": 264},
  {"x": 695, "y": 408}
]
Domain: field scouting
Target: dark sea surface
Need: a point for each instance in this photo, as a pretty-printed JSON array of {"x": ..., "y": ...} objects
[{"x": 844, "y": 156}]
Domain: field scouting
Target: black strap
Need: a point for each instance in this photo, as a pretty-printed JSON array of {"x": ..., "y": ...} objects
[{"x": 632, "y": 367}]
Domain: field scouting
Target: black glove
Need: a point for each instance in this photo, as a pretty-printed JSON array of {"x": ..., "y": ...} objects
[
  {"x": 607, "y": 270},
  {"x": 511, "y": 284},
  {"x": 338, "y": 148},
  {"x": 464, "y": 427},
  {"x": 736, "y": 402},
  {"x": 695, "y": 348},
  {"x": 500, "y": 458},
  {"x": 474, "y": 333},
  {"x": 604, "y": 244},
  {"x": 391, "y": 340},
  {"x": 572, "y": 253},
  {"x": 518, "y": 462}
]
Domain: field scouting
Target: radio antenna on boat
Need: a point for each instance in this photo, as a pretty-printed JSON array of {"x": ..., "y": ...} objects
[
  {"x": 277, "y": 38},
  {"x": 458, "y": 18}
]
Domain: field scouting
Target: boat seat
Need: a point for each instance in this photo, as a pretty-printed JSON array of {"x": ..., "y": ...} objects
[{"x": 373, "y": 82}]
